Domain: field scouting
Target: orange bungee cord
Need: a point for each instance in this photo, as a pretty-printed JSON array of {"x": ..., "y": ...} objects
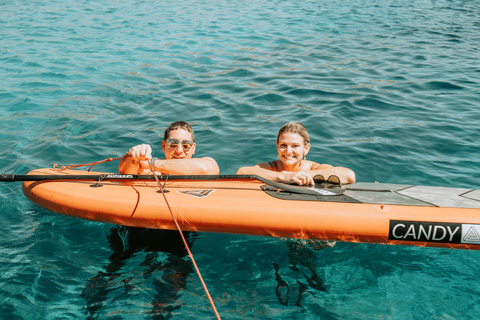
[
  {"x": 91, "y": 164},
  {"x": 185, "y": 242},
  {"x": 61, "y": 168}
]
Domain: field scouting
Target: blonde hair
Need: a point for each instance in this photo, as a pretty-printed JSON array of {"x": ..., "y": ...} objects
[{"x": 295, "y": 127}]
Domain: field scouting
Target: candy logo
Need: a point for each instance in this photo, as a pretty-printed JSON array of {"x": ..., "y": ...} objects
[{"x": 426, "y": 231}]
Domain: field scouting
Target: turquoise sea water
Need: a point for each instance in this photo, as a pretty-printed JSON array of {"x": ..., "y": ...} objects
[{"x": 390, "y": 89}]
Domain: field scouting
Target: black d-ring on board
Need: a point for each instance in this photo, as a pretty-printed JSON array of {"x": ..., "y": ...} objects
[
  {"x": 164, "y": 183},
  {"x": 100, "y": 178}
]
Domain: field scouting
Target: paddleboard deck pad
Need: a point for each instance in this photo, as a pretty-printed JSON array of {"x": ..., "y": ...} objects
[{"x": 361, "y": 212}]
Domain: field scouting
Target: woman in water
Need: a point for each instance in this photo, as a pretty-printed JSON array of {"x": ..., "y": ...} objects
[{"x": 293, "y": 144}]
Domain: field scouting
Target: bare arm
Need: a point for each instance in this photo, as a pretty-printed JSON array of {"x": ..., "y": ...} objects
[
  {"x": 346, "y": 175},
  {"x": 131, "y": 161},
  {"x": 260, "y": 171},
  {"x": 129, "y": 165},
  {"x": 194, "y": 166},
  {"x": 136, "y": 162},
  {"x": 266, "y": 170}
]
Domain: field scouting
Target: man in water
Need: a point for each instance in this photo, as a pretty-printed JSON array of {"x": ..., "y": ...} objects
[
  {"x": 178, "y": 145},
  {"x": 127, "y": 242}
]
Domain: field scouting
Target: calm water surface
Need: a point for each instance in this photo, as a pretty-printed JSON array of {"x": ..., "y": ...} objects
[{"x": 390, "y": 89}]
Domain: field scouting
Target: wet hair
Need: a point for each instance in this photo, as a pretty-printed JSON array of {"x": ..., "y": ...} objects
[
  {"x": 179, "y": 125},
  {"x": 295, "y": 127}
]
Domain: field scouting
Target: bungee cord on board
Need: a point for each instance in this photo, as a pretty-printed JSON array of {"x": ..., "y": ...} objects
[{"x": 190, "y": 255}]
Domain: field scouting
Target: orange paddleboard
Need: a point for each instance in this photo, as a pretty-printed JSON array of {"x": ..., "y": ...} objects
[{"x": 361, "y": 212}]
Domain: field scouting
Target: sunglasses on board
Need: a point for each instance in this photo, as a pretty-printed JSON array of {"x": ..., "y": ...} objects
[
  {"x": 333, "y": 179},
  {"x": 173, "y": 143}
]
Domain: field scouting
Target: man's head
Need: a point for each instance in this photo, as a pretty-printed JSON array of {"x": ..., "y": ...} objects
[
  {"x": 179, "y": 125},
  {"x": 179, "y": 141}
]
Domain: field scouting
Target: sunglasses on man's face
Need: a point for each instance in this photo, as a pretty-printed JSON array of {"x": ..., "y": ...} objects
[{"x": 173, "y": 143}]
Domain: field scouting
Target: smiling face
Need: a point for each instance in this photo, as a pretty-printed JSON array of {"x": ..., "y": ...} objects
[
  {"x": 291, "y": 149},
  {"x": 177, "y": 151}
]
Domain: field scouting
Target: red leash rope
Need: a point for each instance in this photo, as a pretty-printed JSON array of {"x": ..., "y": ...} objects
[
  {"x": 171, "y": 212},
  {"x": 185, "y": 243},
  {"x": 84, "y": 164}
]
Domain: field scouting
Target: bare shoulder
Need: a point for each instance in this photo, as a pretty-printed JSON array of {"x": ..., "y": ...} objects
[
  {"x": 316, "y": 166},
  {"x": 208, "y": 159},
  {"x": 272, "y": 165},
  {"x": 207, "y": 165}
]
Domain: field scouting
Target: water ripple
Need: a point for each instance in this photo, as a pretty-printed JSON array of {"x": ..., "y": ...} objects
[{"x": 387, "y": 88}]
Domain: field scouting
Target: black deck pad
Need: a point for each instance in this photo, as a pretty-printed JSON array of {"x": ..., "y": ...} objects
[{"x": 334, "y": 195}]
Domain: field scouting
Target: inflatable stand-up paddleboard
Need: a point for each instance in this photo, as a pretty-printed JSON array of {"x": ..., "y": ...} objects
[{"x": 250, "y": 205}]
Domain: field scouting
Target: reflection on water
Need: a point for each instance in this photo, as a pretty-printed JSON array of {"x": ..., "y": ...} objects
[
  {"x": 300, "y": 252},
  {"x": 301, "y": 278},
  {"x": 169, "y": 274}
]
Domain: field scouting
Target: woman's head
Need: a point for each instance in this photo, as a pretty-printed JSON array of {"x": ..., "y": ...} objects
[
  {"x": 293, "y": 144},
  {"x": 295, "y": 127}
]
